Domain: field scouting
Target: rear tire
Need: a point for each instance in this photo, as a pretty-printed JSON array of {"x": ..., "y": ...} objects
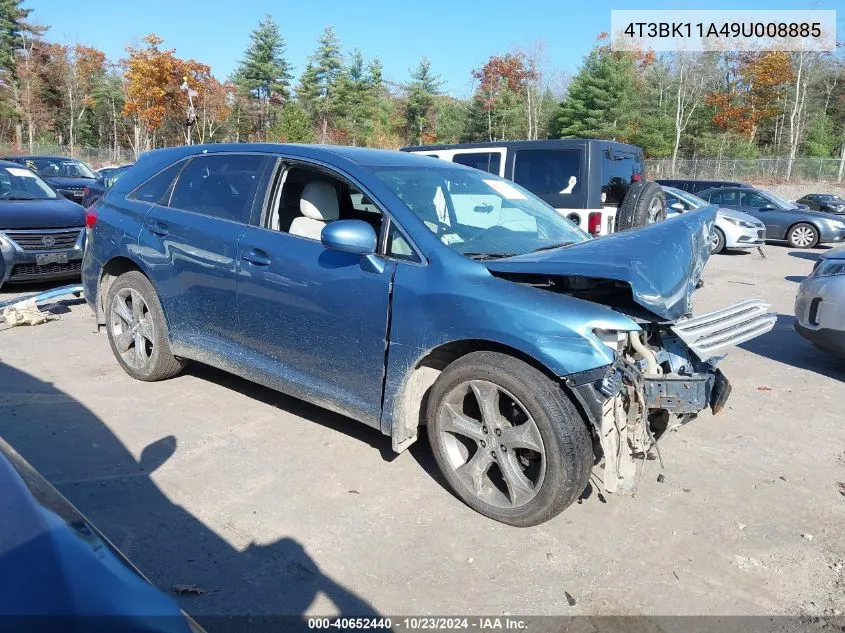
[
  {"x": 717, "y": 245},
  {"x": 802, "y": 235},
  {"x": 520, "y": 456},
  {"x": 137, "y": 329},
  {"x": 644, "y": 204}
]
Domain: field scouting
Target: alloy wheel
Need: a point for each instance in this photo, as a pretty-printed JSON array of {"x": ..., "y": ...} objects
[
  {"x": 492, "y": 444},
  {"x": 714, "y": 241},
  {"x": 803, "y": 236},
  {"x": 654, "y": 210},
  {"x": 132, "y": 328}
]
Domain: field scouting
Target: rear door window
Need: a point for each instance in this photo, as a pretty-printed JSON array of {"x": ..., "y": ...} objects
[
  {"x": 219, "y": 186},
  {"x": 485, "y": 161}
]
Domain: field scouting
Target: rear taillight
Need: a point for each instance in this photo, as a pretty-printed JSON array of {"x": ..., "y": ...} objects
[
  {"x": 594, "y": 223},
  {"x": 90, "y": 217}
]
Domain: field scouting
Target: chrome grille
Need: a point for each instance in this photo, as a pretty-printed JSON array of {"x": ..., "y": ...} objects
[
  {"x": 45, "y": 240},
  {"x": 711, "y": 333}
]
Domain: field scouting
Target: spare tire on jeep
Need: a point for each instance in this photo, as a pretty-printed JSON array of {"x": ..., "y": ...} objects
[{"x": 644, "y": 203}]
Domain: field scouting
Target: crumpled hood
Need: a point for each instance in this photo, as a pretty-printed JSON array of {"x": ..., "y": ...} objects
[{"x": 662, "y": 262}]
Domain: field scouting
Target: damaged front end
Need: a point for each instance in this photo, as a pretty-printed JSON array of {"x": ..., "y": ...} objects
[
  {"x": 665, "y": 373},
  {"x": 662, "y": 377}
]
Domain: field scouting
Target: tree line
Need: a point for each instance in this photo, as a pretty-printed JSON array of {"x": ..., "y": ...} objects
[{"x": 766, "y": 103}]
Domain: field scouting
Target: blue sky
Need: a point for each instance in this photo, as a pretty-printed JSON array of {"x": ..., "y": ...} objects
[{"x": 456, "y": 35}]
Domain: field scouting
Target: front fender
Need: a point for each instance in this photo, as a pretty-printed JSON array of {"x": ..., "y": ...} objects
[{"x": 431, "y": 308}]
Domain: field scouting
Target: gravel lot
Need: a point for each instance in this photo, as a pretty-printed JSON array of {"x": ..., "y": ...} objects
[{"x": 274, "y": 506}]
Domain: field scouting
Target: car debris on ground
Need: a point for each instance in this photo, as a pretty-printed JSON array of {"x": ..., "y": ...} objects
[{"x": 27, "y": 310}]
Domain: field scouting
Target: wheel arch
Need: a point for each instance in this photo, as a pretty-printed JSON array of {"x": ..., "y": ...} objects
[
  {"x": 408, "y": 411},
  {"x": 112, "y": 269},
  {"x": 797, "y": 222}
]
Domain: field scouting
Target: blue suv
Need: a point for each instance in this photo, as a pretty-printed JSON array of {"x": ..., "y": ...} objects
[{"x": 401, "y": 291}]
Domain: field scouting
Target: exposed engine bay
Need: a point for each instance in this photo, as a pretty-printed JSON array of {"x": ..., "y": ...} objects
[{"x": 661, "y": 378}]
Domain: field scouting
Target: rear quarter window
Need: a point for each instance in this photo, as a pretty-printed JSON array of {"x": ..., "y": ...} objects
[
  {"x": 157, "y": 189},
  {"x": 549, "y": 172}
]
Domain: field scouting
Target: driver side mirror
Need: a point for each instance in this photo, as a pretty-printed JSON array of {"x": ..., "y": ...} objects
[
  {"x": 677, "y": 206},
  {"x": 768, "y": 207},
  {"x": 355, "y": 237}
]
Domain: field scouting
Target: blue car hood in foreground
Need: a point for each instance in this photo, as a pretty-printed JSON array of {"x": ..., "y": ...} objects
[
  {"x": 55, "y": 567},
  {"x": 662, "y": 263}
]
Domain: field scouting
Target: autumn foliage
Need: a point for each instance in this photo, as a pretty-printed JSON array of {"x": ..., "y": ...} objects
[{"x": 756, "y": 82}]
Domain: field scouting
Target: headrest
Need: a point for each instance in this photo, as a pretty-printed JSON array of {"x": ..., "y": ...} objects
[{"x": 319, "y": 202}]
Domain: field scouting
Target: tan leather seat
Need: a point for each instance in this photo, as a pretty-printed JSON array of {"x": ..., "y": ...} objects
[{"x": 318, "y": 206}]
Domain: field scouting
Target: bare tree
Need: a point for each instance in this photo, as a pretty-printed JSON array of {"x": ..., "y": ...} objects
[{"x": 692, "y": 77}]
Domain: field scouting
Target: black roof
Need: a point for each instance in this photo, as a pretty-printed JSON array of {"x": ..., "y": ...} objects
[{"x": 544, "y": 144}]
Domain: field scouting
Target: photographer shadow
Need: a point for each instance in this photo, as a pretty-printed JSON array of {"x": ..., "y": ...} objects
[{"x": 262, "y": 587}]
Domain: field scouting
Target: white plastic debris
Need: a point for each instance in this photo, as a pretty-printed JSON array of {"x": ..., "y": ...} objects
[{"x": 26, "y": 313}]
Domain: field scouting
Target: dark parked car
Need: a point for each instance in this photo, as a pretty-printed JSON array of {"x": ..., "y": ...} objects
[
  {"x": 42, "y": 234},
  {"x": 68, "y": 176},
  {"x": 599, "y": 185},
  {"x": 694, "y": 186},
  {"x": 360, "y": 280},
  {"x": 800, "y": 227},
  {"x": 823, "y": 202},
  {"x": 96, "y": 189},
  {"x": 59, "y": 573}
]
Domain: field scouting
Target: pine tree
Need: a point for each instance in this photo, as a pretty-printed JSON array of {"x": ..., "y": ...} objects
[
  {"x": 318, "y": 83},
  {"x": 602, "y": 99},
  {"x": 13, "y": 27},
  {"x": 294, "y": 125},
  {"x": 355, "y": 100},
  {"x": 420, "y": 107},
  {"x": 265, "y": 74}
]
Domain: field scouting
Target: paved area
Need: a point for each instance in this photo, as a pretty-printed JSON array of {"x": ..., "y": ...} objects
[{"x": 274, "y": 506}]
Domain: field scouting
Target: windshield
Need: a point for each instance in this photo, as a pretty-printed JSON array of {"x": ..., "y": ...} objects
[
  {"x": 60, "y": 168},
  {"x": 478, "y": 214},
  {"x": 779, "y": 202},
  {"x": 831, "y": 198},
  {"x": 17, "y": 183}
]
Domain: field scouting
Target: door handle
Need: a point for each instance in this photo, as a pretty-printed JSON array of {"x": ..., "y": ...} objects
[
  {"x": 256, "y": 257},
  {"x": 157, "y": 228}
]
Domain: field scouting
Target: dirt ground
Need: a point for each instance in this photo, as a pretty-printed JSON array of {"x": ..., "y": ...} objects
[{"x": 273, "y": 506}]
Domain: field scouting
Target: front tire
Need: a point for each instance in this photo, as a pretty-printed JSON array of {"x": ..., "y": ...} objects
[
  {"x": 137, "y": 329},
  {"x": 802, "y": 235},
  {"x": 507, "y": 439},
  {"x": 717, "y": 241}
]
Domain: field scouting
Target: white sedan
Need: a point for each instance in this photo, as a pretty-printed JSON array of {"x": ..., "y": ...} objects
[{"x": 734, "y": 229}]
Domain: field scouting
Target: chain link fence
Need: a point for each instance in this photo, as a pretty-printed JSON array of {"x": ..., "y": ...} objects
[
  {"x": 95, "y": 156},
  {"x": 823, "y": 170}
]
